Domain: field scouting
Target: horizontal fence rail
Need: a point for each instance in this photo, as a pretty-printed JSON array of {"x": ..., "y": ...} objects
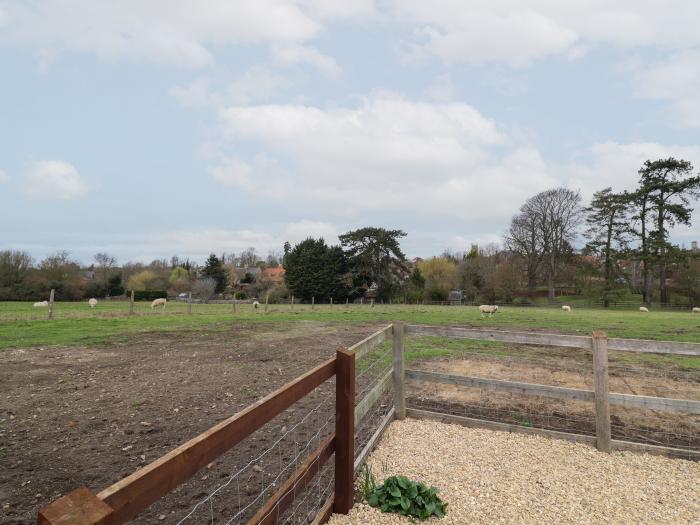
[
  {"x": 653, "y": 403},
  {"x": 563, "y": 340},
  {"x": 600, "y": 397}
]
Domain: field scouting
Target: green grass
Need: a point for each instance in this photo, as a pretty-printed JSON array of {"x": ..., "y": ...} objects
[{"x": 77, "y": 324}]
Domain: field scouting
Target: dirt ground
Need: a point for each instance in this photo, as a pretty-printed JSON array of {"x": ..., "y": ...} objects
[{"x": 72, "y": 417}]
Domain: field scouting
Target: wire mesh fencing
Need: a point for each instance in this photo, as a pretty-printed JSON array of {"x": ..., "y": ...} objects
[{"x": 552, "y": 388}]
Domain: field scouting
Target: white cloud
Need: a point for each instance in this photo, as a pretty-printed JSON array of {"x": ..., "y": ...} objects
[
  {"x": 677, "y": 81},
  {"x": 178, "y": 33},
  {"x": 388, "y": 153},
  {"x": 306, "y": 55},
  {"x": 3, "y": 176},
  {"x": 615, "y": 164},
  {"x": 52, "y": 179},
  {"x": 517, "y": 33},
  {"x": 298, "y": 231}
]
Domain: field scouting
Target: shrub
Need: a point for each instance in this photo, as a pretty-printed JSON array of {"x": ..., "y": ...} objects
[
  {"x": 401, "y": 495},
  {"x": 522, "y": 301}
]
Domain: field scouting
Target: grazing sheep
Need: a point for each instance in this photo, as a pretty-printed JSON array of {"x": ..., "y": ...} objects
[
  {"x": 256, "y": 304},
  {"x": 41, "y": 304},
  {"x": 644, "y": 309},
  {"x": 488, "y": 309},
  {"x": 159, "y": 302},
  {"x": 696, "y": 310},
  {"x": 566, "y": 308},
  {"x": 92, "y": 302}
]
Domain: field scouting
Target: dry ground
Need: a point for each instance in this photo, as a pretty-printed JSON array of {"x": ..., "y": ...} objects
[
  {"x": 89, "y": 416},
  {"x": 497, "y": 477}
]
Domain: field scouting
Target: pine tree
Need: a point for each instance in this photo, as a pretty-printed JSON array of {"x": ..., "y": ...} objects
[{"x": 214, "y": 268}]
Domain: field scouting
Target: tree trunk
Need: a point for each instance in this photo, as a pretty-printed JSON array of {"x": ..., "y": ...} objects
[
  {"x": 550, "y": 285},
  {"x": 531, "y": 281}
]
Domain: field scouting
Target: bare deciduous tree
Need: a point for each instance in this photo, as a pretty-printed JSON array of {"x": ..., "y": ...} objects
[
  {"x": 204, "y": 289},
  {"x": 105, "y": 263}
]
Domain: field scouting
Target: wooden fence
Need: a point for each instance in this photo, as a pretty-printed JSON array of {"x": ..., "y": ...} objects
[
  {"x": 600, "y": 396},
  {"x": 128, "y": 497}
]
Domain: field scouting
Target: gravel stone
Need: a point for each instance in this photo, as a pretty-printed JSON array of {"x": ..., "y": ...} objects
[{"x": 501, "y": 477}]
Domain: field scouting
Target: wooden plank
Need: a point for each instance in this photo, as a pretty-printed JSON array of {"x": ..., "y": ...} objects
[
  {"x": 371, "y": 398},
  {"x": 666, "y": 404},
  {"x": 399, "y": 366},
  {"x": 516, "y": 387},
  {"x": 80, "y": 507},
  {"x": 655, "y": 347},
  {"x": 532, "y": 389},
  {"x": 344, "y": 430},
  {"x": 580, "y": 438},
  {"x": 134, "y": 493},
  {"x": 362, "y": 457},
  {"x": 600, "y": 383},
  {"x": 562, "y": 340},
  {"x": 571, "y": 341},
  {"x": 325, "y": 512},
  {"x": 285, "y": 495},
  {"x": 368, "y": 344}
]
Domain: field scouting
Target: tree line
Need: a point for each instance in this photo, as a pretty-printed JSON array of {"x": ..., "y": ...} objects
[{"x": 617, "y": 247}]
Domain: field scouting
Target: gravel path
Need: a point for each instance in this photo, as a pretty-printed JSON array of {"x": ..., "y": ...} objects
[{"x": 499, "y": 477}]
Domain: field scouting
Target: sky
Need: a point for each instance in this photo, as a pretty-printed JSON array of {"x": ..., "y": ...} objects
[{"x": 151, "y": 128}]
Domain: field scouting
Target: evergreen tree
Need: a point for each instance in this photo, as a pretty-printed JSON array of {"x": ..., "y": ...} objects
[
  {"x": 667, "y": 188},
  {"x": 375, "y": 256},
  {"x": 608, "y": 227},
  {"x": 313, "y": 269},
  {"x": 214, "y": 268}
]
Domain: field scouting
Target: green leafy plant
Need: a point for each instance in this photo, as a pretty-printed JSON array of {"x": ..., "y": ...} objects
[{"x": 401, "y": 495}]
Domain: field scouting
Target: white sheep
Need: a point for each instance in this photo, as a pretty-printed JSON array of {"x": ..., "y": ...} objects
[
  {"x": 256, "y": 304},
  {"x": 644, "y": 309},
  {"x": 488, "y": 309},
  {"x": 41, "y": 304},
  {"x": 696, "y": 310},
  {"x": 566, "y": 308},
  {"x": 159, "y": 302},
  {"x": 92, "y": 302}
]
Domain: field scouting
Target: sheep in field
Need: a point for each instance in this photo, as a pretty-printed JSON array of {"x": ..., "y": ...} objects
[
  {"x": 92, "y": 302},
  {"x": 41, "y": 304},
  {"x": 696, "y": 310},
  {"x": 566, "y": 308},
  {"x": 644, "y": 309},
  {"x": 256, "y": 304},
  {"x": 488, "y": 309},
  {"x": 159, "y": 302}
]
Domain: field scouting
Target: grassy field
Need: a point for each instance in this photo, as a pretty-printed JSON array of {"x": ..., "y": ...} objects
[{"x": 21, "y": 325}]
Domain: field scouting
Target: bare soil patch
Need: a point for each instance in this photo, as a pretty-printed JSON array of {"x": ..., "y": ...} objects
[{"x": 72, "y": 417}]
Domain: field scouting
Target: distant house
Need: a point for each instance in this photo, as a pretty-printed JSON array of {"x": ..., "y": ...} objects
[{"x": 274, "y": 274}]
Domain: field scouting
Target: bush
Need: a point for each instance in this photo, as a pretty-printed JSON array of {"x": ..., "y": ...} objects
[
  {"x": 522, "y": 301},
  {"x": 147, "y": 295},
  {"x": 437, "y": 293},
  {"x": 401, "y": 495}
]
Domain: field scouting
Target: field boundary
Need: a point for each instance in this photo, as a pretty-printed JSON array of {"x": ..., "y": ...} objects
[
  {"x": 597, "y": 343},
  {"x": 562, "y": 340}
]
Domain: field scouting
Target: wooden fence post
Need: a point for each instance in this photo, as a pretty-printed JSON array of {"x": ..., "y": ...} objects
[
  {"x": 344, "y": 430},
  {"x": 233, "y": 303},
  {"x": 50, "y": 313},
  {"x": 600, "y": 381},
  {"x": 131, "y": 303},
  {"x": 267, "y": 300},
  {"x": 313, "y": 301},
  {"x": 80, "y": 507},
  {"x": 189, "y": 303},
  {"x": 399, "y": 380},
  {"x": 331, "y": 304},
  {"x": 292, "y": 303}
]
